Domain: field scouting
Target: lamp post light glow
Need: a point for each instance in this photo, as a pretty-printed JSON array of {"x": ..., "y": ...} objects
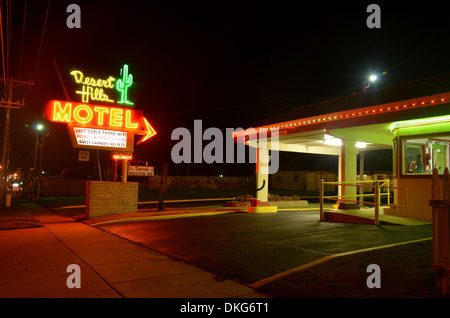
[
  {"x": 39, "y": 127},
  {"x": 366, "y": 83}
]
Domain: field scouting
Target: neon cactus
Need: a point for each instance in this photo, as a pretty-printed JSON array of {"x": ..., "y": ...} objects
[{"x": 123, "y": 84}]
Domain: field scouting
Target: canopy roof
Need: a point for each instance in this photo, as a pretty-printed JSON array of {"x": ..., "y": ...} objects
[{"x": 365, "y": 117}]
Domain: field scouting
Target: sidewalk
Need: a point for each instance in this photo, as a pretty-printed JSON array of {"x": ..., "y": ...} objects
[{"x": 34, "y": 258}]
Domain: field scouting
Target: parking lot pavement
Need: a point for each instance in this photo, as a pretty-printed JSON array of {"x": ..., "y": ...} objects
[
  {"x": 217, "y": 254},
  {"x": 250, "y": 247}
]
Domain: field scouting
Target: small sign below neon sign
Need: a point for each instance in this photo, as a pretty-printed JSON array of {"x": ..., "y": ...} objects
[
  {"x": 141, "y": 171},
  {"x": 122, "y": 155},
  {"x": 100, "y": 137}
]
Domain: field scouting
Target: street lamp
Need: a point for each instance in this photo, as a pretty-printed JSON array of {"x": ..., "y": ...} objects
[
  {"x": 39, "y": 127},
  {"x": 372, "y": 78}
]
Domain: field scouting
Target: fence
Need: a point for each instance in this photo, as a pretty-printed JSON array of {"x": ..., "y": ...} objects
[
  {"x": 377, "y": 185},
  {"x": 441, "y": 232}
]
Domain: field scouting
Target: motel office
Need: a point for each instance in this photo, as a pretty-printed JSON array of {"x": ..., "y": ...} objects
[{"x": 411, "y": 118}]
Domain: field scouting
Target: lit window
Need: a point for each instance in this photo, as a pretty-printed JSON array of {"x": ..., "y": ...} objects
[{"x": 422, "y": 154}]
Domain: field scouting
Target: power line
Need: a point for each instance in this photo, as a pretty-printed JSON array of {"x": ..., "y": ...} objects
[
  {"x": 42, "y": 40},
  {"x": 23, "y": 40},
  {"x": 8, "y": 37},
  {"x": 3, "y": 50}
]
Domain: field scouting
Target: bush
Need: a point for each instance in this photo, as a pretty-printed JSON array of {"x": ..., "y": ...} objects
[
  {"x": 276, "y": 197},
  {"x": 244, "y": 198}
]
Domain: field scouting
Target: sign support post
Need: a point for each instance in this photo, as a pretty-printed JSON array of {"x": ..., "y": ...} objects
[
  {"x": 124, "y": 170},
  {"x": 114, "y": 173}
]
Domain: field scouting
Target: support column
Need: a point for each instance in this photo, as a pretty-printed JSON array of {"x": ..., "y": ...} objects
[
  {"x": 114, "y": 173},
  {"x": 348, "y": 168},
  {"x": 340, "y": 175},
  {"x": 262, "y": 171},
  {"x": 361, "y": 176},
  {"x": 124, "y": 170}
]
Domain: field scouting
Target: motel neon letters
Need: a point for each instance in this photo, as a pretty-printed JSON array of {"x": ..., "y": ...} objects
[
  {"x": 94, "y": 115},
  {"x": 100, "y": 126},
  {"x": 93, "y": 88}
]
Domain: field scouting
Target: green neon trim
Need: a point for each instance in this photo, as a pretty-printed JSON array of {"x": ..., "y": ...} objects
[
  {"x": 419, "y": 122},
  {"x": 123, "y": 84}
]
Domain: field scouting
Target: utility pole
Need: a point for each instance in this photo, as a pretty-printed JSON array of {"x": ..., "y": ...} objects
[{"x": 8, "y": 105}]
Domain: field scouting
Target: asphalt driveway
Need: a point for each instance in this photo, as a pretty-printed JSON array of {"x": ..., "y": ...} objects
[{"x": 250, "y": 247}]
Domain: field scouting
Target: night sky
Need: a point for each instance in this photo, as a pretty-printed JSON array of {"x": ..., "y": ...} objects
[{"x": 228, "y": 63}]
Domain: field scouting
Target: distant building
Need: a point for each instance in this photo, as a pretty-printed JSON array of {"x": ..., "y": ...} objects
[{"x": 301, "y": 180}]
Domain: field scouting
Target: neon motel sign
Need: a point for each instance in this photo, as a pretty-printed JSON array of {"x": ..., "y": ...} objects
[{"x": 100, "y": 126}]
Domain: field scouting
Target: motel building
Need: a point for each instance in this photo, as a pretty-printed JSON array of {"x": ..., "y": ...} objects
[{"x": 411, "y": 118}]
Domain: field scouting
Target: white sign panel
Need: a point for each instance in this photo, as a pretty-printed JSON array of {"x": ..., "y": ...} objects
[
  {"x": 141, "y": 171},
  {"x": 100, "y": 137}
]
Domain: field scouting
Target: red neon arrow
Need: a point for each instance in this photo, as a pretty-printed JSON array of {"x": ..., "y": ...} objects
[{"x": 148, "y": 131}]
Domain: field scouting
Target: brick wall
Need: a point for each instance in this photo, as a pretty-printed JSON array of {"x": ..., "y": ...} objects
[{"x": 103, "y": 197}]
